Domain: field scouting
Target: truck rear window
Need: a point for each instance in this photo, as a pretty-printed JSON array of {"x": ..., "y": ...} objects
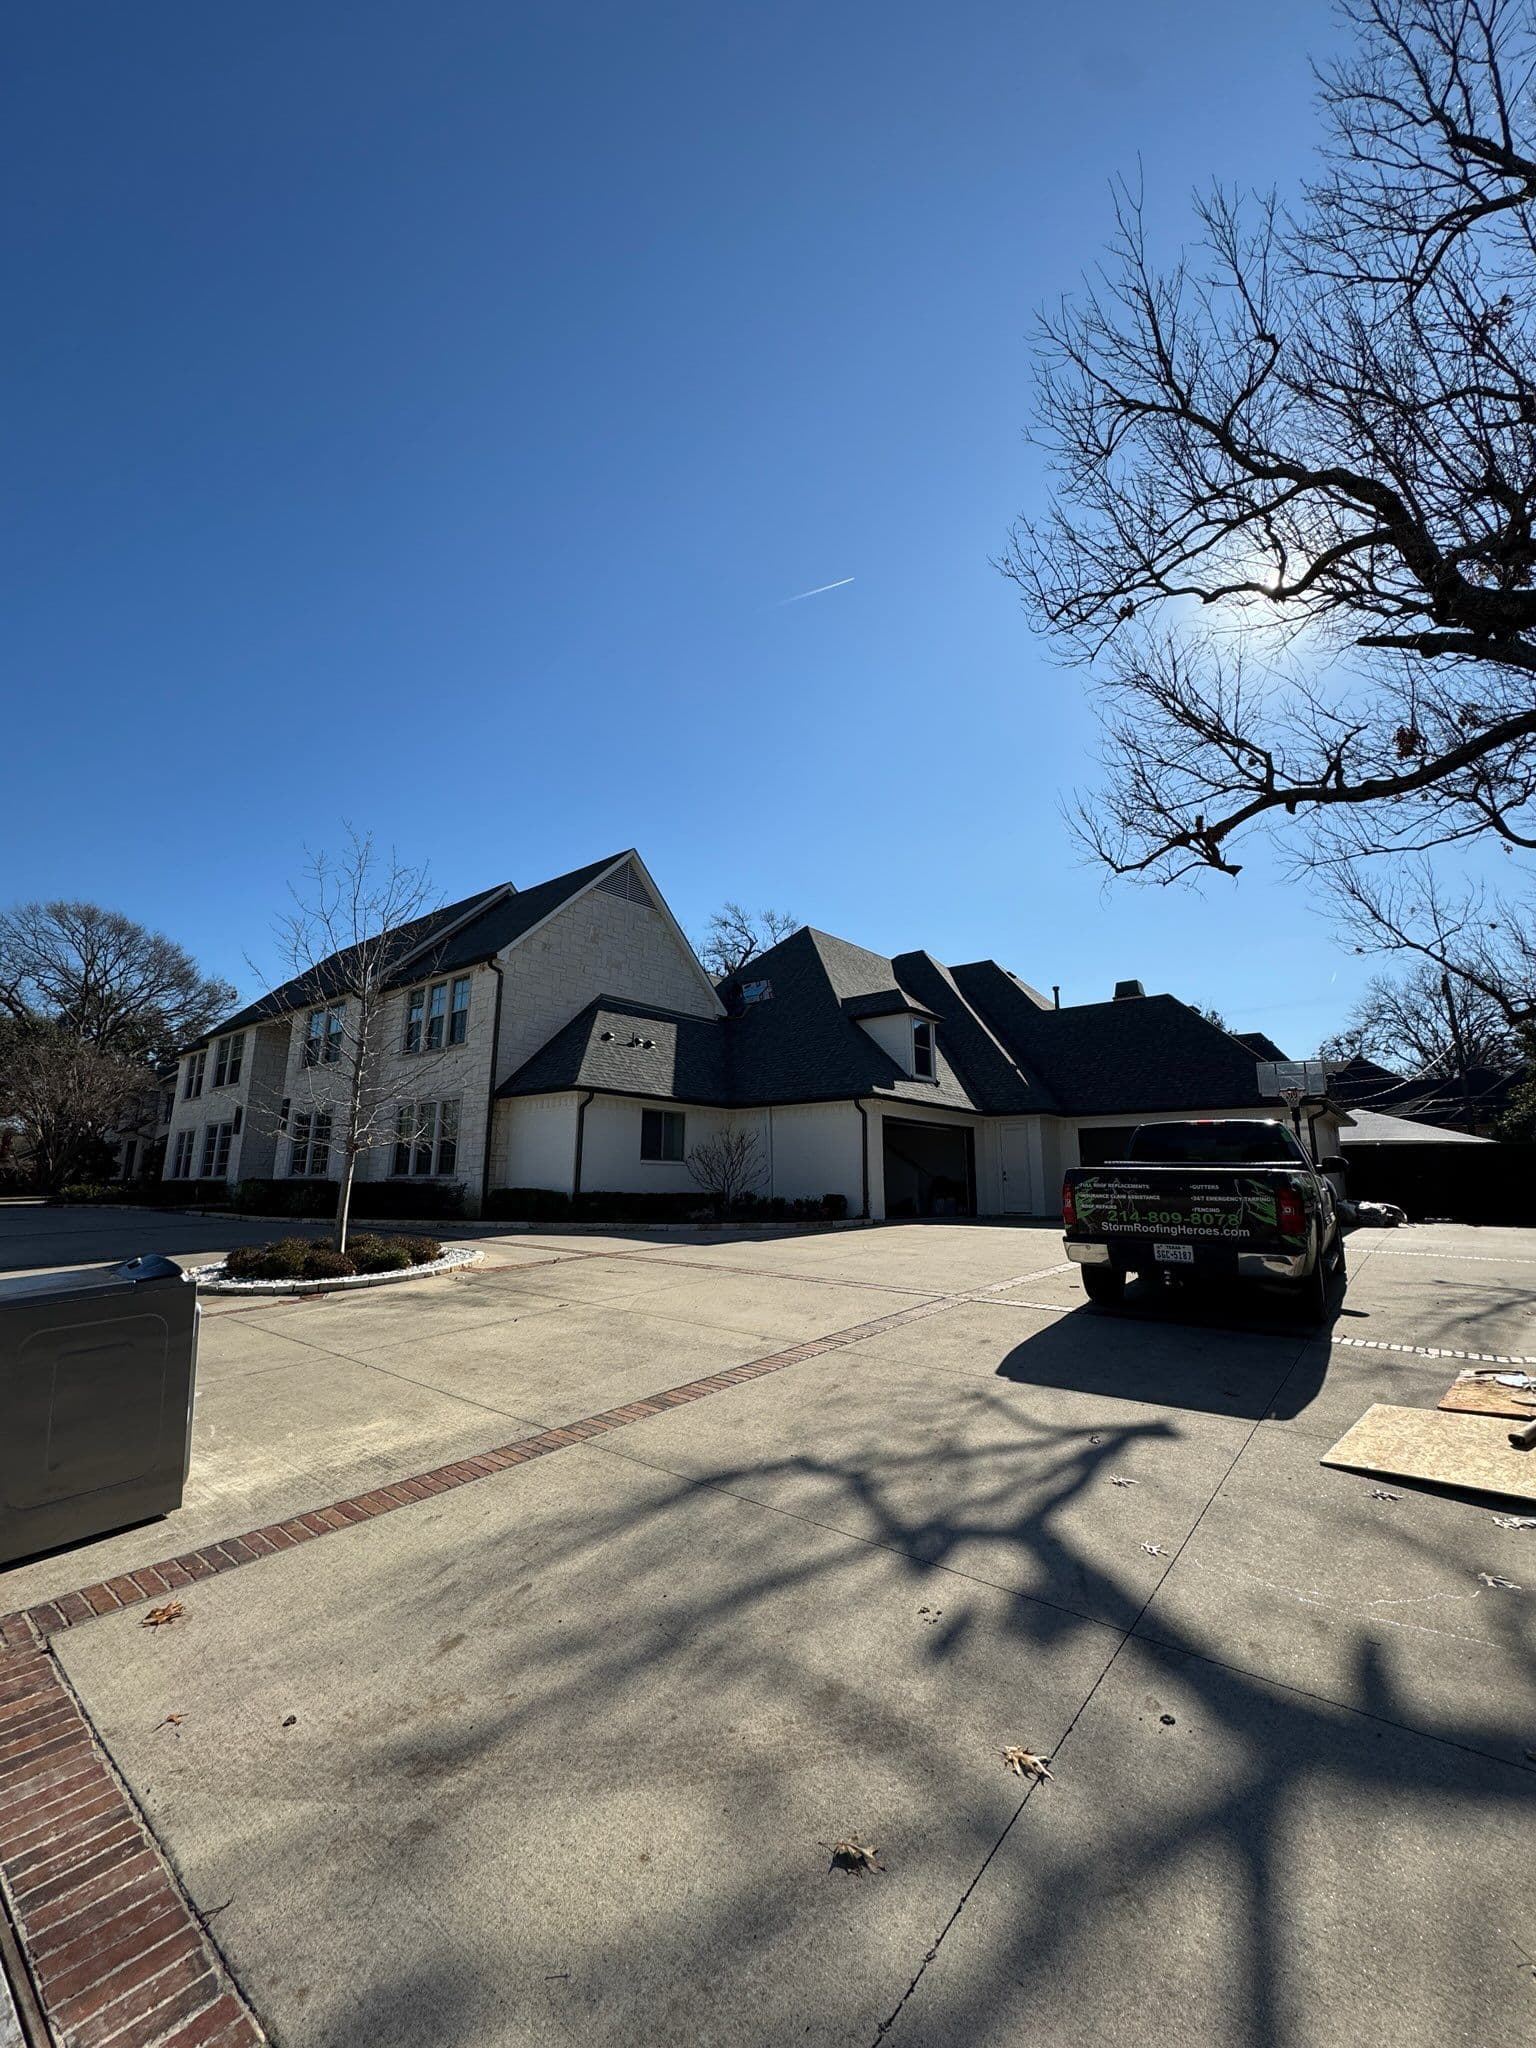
[{"x": 1215, "y": 1144}]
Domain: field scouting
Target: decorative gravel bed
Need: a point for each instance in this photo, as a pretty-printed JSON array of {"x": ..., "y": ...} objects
[{"x": 210, "y": 1279}]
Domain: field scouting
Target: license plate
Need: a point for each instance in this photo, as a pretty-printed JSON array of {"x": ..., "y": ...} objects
[{"x": 1174, "y": 1254}]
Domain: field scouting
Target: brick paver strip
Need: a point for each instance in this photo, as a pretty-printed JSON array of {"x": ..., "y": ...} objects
[{"x": 116, "y": 1952}]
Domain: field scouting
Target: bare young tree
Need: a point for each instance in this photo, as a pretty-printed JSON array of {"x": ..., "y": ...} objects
[
  {"x": 728, "y": 1166},
  {"x": 357, "y": 919},
  {"x": 107, "y": 981},
  {"x": 1407, "y": 1024},
  {"x": 735, "y": 935},
  {"x": 1294, "y": 515}
]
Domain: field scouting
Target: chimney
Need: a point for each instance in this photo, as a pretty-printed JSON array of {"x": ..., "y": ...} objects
[
  {"x": 1056, "y": 995},
  {"x": 1125, "y": 990}
]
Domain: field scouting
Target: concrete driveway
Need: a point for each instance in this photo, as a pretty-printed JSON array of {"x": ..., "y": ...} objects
[{"x": 559, "y": 1752}]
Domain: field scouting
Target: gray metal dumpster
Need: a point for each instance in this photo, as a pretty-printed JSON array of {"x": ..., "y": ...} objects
[{"x": 97, "y": 1369}]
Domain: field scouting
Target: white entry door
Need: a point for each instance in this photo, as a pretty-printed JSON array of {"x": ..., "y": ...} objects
[{"x": 1018, "y": 1174}]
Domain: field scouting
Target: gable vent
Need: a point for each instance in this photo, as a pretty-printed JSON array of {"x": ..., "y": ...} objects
[{"x": 626, "y": 883}]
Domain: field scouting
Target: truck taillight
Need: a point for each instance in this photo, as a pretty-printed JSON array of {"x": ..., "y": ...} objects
[
  {"x": 1291, "y": 1213},
  {"x": 1068, "y": 1205}
]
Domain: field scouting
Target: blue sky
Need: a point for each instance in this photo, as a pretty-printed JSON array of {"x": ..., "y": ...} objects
[{"x": 417, "y": 416}]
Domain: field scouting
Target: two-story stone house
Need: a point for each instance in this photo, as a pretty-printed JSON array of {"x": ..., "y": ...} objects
[{"x": 566, "y": 1037}]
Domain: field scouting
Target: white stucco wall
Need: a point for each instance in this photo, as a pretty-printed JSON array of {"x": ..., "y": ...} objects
[
  {"x": 534, "y": 1142},
  {"x": 814, "y": 1148}
]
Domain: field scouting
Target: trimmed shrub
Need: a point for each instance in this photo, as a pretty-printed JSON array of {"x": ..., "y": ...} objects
[
  {"x": 370, "y": 1198},
  {"x": 371, "y": 1253},
  {"x": 527, "y": 1205},
  {"x": 321, "y": 1263},
  {"x": 84, "y": 1191},
  {"x": 281, "y": 1261},
  {"x": 422, "y": 1250}
]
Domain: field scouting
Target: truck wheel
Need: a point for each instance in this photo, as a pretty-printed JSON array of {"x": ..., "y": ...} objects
[
  {"x": 1312, "y": 1294},
  {"x": 1104, "y": 1284}
]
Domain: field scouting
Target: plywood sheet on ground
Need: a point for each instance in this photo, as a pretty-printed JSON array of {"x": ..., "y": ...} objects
[
  {"x": 1487, "y": 1397},
  {"x": 1468, "y": 1451}
]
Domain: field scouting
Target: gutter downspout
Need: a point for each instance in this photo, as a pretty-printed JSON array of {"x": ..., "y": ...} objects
[
  {"x": 581, "y": 1132},
  {"x": 864, "y": 1155},
  {"x": 490, "y": 1092}
]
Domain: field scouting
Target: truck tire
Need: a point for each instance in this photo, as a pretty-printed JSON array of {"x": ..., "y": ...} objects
[
  {"x": 1104, "y": 1284},
  {"x": 1312, "y": 1294}
]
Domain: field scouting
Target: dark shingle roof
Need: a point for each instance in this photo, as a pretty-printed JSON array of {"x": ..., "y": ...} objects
[
  {"x": 1260, "y": 1044},
  {"x": 506, "y": 919},
  {"x": 457, "y": 935},
  {"x": 685, "y": 1061},
  {"x": 892, "y": 1002},
  {"x": 1101, "y": 1059}
]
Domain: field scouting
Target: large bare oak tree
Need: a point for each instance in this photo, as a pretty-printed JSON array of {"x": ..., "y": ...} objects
[{"x": 1293, "y": 524}]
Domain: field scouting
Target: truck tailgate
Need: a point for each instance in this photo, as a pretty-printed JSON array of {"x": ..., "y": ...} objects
[{"x": 1231, "y": 1206}]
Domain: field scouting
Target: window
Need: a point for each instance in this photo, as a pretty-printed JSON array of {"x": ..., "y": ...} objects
[
  {"x": 193, "y": 1086},
  {"x": 216, "y": 1139},
  {"x": 922, "y": 1049},
  {"x": 661, "y": 1134},
  {"x": 181, "y": 1155},
  {"x": 168, "y": 1105},
  {"x": 437, "y": 1015},
  {"x": 432, "y": 1021},
  {"x": 458, "y": 1012},
  {"x": 322, "y": 1036},
  {"x": 228, "y": 1055},
  {"x": 309, "y": 1148},
  {"x": 426, "y": 1138}
]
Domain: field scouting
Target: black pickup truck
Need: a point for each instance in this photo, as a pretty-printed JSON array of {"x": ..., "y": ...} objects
[{"x": 1209, "y": 1200}]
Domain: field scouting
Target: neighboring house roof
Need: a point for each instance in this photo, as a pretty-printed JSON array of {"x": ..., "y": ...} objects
[
  {"x": 456, "y": 935},
  {"x": 677, "y": 1057},
  {"x": 1430, "y": 1100},
  {"x": 1372, "y": 1127},
  {"x": 1260, "y": 1044},
  {"x": 1103, "y": 1059}
]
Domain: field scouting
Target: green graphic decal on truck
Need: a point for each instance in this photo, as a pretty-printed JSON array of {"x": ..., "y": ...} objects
[{"x": 1121, "y": 1204}]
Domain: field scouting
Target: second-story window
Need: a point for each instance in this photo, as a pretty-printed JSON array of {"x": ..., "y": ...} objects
[
  {"x": 193, "y": 1086},
  {"x": 437, "y": 1015},
  {"x": 922, "y": 1049},
  {"x": 458, "y": 1012},
  {"x": 322, "y": 1036},
  {"x": 228, "y": 1058}
]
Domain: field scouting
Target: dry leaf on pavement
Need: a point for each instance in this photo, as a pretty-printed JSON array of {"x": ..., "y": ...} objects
[
  {"x": 162, "y": 1617},
  {"x": 1153, "y": 1549},
  {"x": 1122, "y": 1482},
  {"x": 1024, "y": 1763},
  {"x": 854, "y": 1858},
  {"x": 1498, "y": 1580}
]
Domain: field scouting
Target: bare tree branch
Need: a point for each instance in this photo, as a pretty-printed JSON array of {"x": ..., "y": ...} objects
[
  {"x": 1315, "y": 432},
  {"x": 735, "y": 935}
]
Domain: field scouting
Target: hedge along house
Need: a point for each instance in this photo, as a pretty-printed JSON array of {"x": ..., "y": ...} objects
[{"x": 565, "y": 1038}]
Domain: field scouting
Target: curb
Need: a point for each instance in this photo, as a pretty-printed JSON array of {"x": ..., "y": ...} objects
[{"x": 452, "y": 1262}]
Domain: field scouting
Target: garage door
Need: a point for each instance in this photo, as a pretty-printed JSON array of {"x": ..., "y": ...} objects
[{"x": 930, "y": 1169}]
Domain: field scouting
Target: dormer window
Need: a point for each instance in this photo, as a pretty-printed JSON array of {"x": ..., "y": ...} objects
[{"x": 922, "y": 1049}]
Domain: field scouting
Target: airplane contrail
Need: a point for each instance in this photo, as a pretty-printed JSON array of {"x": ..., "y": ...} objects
[{"x": 817, "y": 591}]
